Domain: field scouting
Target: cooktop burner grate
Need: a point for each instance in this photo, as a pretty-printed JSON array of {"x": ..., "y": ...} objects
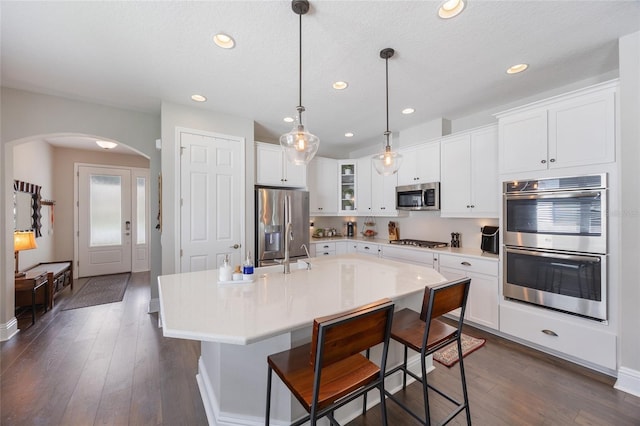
[{"x": 419, "y": 243}]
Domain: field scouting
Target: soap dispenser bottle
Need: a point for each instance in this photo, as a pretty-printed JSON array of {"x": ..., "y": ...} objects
[
  {"x": 247, "y": 268},
  {"x": 225, "y": 272}
]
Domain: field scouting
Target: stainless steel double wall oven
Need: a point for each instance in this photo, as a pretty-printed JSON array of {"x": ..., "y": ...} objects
[{"x": 555, "y": 237}]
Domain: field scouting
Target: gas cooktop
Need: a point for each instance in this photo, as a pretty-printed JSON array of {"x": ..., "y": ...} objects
[{"x": 419, "y": 243}]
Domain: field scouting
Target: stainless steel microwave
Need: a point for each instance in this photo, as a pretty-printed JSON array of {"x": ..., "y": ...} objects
[{"x": 424, "y": 196}]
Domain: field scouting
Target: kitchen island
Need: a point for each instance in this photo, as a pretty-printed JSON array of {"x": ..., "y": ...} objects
[{"x": 239, "y": 325}]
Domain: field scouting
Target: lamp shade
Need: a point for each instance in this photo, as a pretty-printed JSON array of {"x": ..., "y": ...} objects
[
  {"x": 24, "y": 240},
  {"x": 387, "y": 162},
  {"x": 299, "y": 145}
]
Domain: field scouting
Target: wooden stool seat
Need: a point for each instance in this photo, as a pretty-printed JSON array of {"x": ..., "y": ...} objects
[
  {"x": 408, "y": 329},
  {"x": 337, "y": 380}
]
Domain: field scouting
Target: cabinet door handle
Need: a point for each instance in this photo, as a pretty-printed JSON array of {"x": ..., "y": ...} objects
[
  {"x": 473, "y": 206},
  {"x": 543, "y": 161},
  {"x": 326, "y": 247},
  {"x": 552, "y": 160},
  {"x": 549, "y": 332},
  {"x": 366, "y": 248},
  {"x": 465, "y": 263}
]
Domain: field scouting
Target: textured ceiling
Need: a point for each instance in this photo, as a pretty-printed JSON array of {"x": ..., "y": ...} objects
[{"x": 137, "y": 54}]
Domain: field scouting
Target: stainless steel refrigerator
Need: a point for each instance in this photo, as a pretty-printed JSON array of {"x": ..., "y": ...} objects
[{"x": 274, "y": 207}]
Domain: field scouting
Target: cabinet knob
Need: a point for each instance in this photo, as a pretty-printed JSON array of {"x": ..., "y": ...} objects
[
  {"x": 472, "y": 205},
  {"x": 552, "y": 160},
  {"x": 543, "y": 161},
  {"x": 468, "y": 206}
]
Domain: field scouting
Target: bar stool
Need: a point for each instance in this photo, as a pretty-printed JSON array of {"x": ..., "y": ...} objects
[
  {"x": 331, "y": 371},
  {"x": 425, "y": 333}
]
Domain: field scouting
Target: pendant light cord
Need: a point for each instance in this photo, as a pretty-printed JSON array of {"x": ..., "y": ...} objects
[
  {"x": 300, "y": 107},
  {"x": 386, "y": 66}
]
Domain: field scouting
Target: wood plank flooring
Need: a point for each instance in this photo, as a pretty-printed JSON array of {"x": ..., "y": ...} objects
[{"x": 110, "y": 365}]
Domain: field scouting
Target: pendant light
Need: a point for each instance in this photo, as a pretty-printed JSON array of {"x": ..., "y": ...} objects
[
  {"x": 299, "y": 145},
  {"x": 387, "y": 162}
]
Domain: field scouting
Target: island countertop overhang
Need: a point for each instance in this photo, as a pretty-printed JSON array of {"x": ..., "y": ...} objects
[{"x": 194, "y": 306}]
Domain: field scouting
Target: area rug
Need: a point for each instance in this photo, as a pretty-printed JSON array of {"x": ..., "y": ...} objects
[
  {"x": 99, "y": 290},
  {"x": 448, "y": 355}
]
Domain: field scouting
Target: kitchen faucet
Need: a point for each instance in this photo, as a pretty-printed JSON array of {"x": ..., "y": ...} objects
[{"x": 306, "y": 250}]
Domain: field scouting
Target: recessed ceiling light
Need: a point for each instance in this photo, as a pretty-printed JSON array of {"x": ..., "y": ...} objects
[
  {"x": 515, "y": 69},
  {"x": 348, "y": 135},
  {"x": 198, "y": 98},
  {"x": 288, "y": 119},
  {"x": 106, "y": 144},
  {"x": 408, "y": 111},
  {"x": 450, "y": 8},
  {"x": 340, "y": 85},
  {"x": 224, "y": 41}
]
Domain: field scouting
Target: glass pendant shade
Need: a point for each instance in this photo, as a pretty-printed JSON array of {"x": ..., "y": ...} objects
[
  {"x": 299, "y": 145},
  {"x": 387, "y": 162}
]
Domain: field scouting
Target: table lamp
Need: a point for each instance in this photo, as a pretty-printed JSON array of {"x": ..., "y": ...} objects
[{"x": 23, "y": 240}]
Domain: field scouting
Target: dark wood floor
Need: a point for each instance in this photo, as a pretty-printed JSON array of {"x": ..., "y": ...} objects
[{"x": 110, "y": 365}]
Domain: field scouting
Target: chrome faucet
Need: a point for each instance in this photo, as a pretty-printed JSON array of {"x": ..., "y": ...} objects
[{"x": 306, "y": 250}]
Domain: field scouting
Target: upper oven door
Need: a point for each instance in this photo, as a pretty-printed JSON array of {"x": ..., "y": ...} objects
[{"x": 562, "y": 220}]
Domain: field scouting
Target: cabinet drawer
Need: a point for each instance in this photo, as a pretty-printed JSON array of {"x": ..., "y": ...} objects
[
  {"x": 417, "y": 256},
  {"x": 325, "y": 253},
  {"x": 471, "y": 264},
  {"x": 325, "y": 246},
  {"x": 367, "y": 248},
  {"x": 579, "y": 341}
]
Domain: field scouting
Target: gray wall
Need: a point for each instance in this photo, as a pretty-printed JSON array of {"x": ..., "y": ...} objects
[{"x": 28, "y": 116}]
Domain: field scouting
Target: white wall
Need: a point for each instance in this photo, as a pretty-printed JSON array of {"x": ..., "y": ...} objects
[
  {"x": 629, "y": 158},
  {"x": 42, "y": 175},
  {"x": 28, "y": 116},
  {"x": 178, "y": 116}
]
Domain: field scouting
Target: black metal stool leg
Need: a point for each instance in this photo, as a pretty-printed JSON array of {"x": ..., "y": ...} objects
[{"x": 268, "y": 411}]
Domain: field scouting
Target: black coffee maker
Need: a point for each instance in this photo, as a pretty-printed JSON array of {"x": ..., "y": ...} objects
[
  {"x": 490, "y": 239},
  {"x": 350, "y": 229}
]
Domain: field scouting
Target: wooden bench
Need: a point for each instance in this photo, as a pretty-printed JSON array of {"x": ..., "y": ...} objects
[{"x": 59, "y": 276}]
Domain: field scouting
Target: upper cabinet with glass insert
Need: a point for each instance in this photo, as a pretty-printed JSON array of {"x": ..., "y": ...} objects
[{"x": 347, "y": 181}]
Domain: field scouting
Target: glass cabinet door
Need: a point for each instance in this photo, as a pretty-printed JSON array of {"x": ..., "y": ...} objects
[{"x": 347, "y": 187}]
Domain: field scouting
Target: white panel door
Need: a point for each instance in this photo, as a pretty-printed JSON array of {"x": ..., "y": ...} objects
[
  {"x": 211, "y": 192},
  {"x": 104, "y": 221}
]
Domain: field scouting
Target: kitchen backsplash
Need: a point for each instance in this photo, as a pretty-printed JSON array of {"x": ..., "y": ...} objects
[{"x": 418, "y": 225}]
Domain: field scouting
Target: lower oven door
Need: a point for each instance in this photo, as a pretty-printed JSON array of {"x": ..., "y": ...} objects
[{"x": 566, "y": 281}]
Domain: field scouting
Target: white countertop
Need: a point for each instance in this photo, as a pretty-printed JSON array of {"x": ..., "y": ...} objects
[
  {"x": 457, "y": 251},
  {"x": 194, "y": 306}
]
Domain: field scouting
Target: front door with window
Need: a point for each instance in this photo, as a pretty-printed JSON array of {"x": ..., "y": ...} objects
[{"x": 110, "y": 204}]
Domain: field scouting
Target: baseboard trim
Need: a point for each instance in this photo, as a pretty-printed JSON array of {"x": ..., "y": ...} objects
[
  {"x": 154, "y": 306},
  {"x": 9, "y": 329},
  {"x": 628, "y": 381}
]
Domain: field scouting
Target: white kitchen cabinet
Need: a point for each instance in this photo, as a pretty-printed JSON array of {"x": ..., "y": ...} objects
[
  {"x": 383, "y": 194},
  {"x": 367, "y": 248},
  {"x": 363, "y": 187},
  {"x": 323, "y": 248},
  {"x": 561, "y": 334},
  {"x": 347, "y": 186},
  {"x": 409, "y": 255},
  {"x": 420, "y": 164},
  {"x": 575, "y": 129},
  {"x": 469, "y": 175},
  {"x": 341, "y": 247},
  {"x": 273, "y": 169},
  {"x": 323, "y": 186},
  {"x": 483, "y": 300}
]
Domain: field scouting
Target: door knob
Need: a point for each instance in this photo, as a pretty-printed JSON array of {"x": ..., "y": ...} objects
[{"x": 235, "y": 246}]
